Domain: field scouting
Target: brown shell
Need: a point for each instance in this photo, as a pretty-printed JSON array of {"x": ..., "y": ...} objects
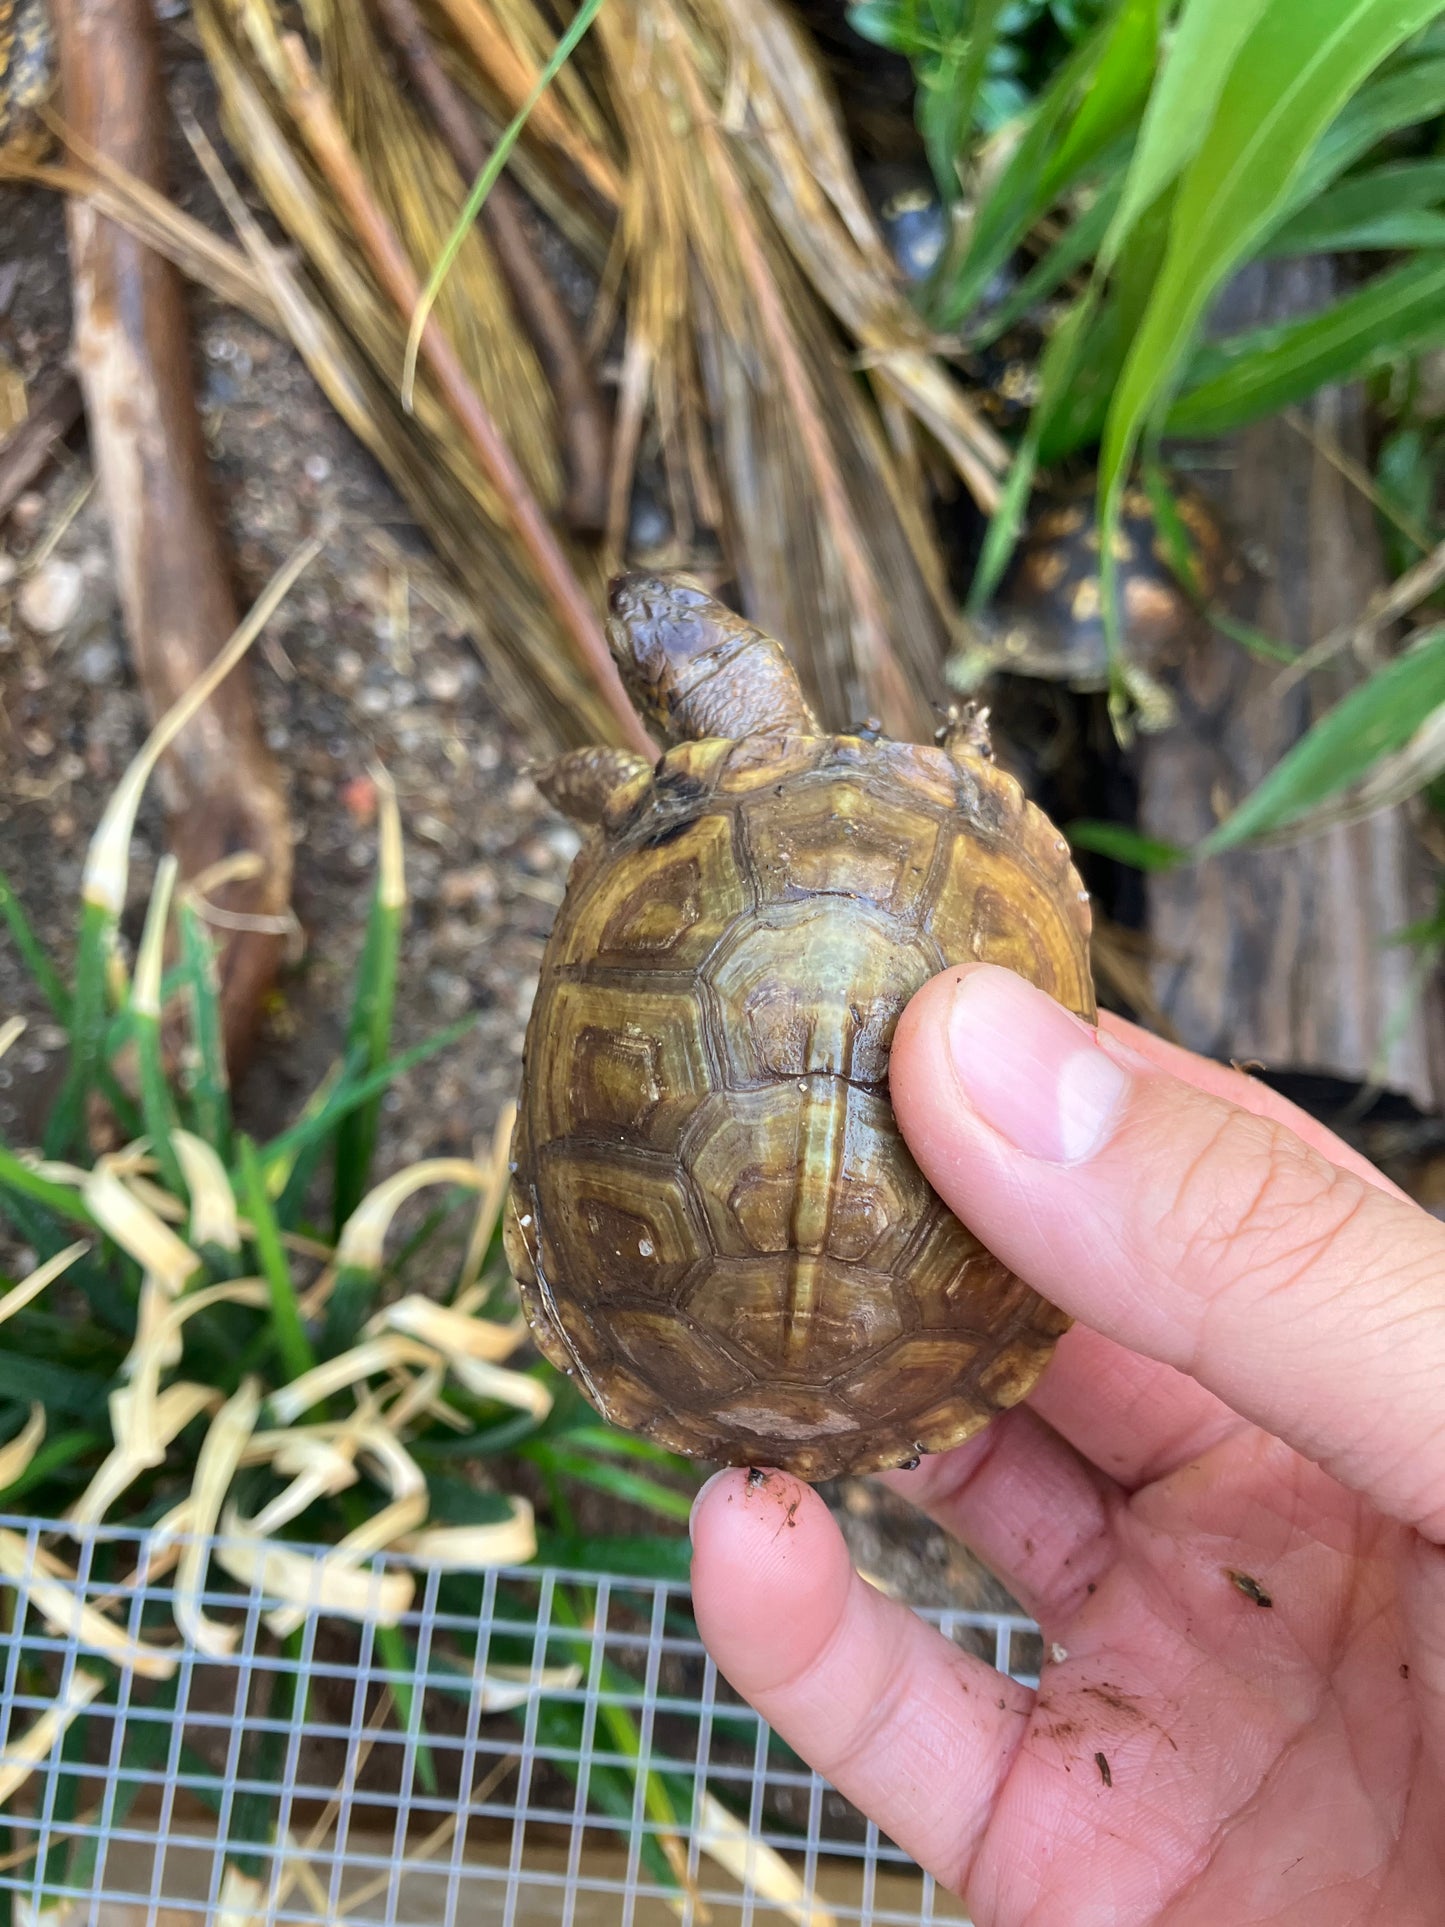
[
  {"x": 715, "y": 1223},
  {"x": 1048, "y": 618}
]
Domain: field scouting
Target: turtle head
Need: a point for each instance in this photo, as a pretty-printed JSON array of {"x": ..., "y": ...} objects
[{"x": 693, "y": 667}]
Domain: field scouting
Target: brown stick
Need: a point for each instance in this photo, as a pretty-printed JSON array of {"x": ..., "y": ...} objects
[
  {"x": 334, "y": 156},
  {"x": 583, "y": 420},
  {"x": 28, "y": 447},
  {"x": 132, "y": 353}
]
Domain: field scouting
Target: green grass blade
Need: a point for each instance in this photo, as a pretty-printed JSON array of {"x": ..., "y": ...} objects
[
  {"x": 286, "y": 1322},
  {"x": 48, "y": 980},
  {"x": 1266, "y": 648},
  {"x": 616, "y": 1480},
  {"x": 1021, "y": 192},
  {"x": 1255, "y": 374},
  {"x": 208, "y": 1096},
  {"x": 283, "y": 1149},
  {"x": 1206, "y": 40},
  {"x": 1056, "y": 380},
  {"x": 52, "y": 1457},
  {"x": 368, "y": 1033},
  {"x": 483, "y": 185},
  {"x": 1073, "y": 250},
  {"x": 253, "y": 1816},
  {"x": 1369, "y": 724},
  {"x": 1126, "y": 845},
  {"x": 1298, "y": 66},
  {"x": 87, "y": 1029},
  {"x": 16, "y": 1176},
  {"x": 60, "y": 1388},
  {"x": 1364, "y": 211},
  {"x": 1118, "y": 88},
  {"x": 1393, "y": 100}
]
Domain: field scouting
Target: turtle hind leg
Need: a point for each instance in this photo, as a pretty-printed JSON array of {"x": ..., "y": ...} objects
[{"x": 583, "y": 782}]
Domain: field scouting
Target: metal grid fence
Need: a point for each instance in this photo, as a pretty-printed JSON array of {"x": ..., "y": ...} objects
[{"x": 565, "y": 1753}]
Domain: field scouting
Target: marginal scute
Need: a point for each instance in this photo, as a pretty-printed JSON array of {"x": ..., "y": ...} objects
[{"x": 715, "y": 1222}]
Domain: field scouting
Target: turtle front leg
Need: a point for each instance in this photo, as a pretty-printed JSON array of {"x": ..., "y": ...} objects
[{"x": 582, "y": 783}]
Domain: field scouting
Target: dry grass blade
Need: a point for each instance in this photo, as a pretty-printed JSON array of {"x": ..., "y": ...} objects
[
  {"x": 213, "y": 1203},
  {"x": 765, "y": 433},
  {"x": 31, "y": 1286},
  {"x": 43, "y": 1735},
  {"x": 107, "y": 861},
  {"x": 116, "y": 193},
  {"x": 50, "y": 1589},
  {"x": 331, "y": 1582},
  {"x": 16, "y": 1454},
  {"x": 509, "y": 1542},
  {"x": 453, "y": 1334},
  {"x": 352, "y": 340},
  {"x": 757, "y": 1867},
  {"x": 216, "y": 1465},
  {"x": 136, "y": 1229}
]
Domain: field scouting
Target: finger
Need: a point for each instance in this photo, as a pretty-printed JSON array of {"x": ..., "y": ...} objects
[
  {"x": 1182, "y": 1226},
  {"x": 915, "y": 1732},
  {"x": 1135, "y": 1419},
  {"x": 1422, "y": 1598},
  {"x": 1027, "y": 1505},
  {"x": 1222, "y": 1080}
]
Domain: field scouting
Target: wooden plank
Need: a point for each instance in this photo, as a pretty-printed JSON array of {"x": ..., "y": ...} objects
[{"x": 1282, "y": 955}]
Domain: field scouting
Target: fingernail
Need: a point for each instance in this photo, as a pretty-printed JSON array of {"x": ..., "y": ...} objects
[
  {"x": 1031, "y": 1069},
  {"x": 702, "y": 1492}
]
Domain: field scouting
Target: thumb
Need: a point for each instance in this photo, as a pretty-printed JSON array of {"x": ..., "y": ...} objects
[{"x": 1308, "y": 1299}]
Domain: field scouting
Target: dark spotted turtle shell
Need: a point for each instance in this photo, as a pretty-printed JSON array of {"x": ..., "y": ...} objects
[{"x": 714, "y": 1221}]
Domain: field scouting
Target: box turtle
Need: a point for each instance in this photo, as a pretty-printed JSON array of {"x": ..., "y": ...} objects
[
  {"x": 714, "y": 1222},
  {"x": 1048, "y": 617}
]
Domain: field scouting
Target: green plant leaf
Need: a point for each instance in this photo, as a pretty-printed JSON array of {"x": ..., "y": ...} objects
[
  {"x": 1207, "y": 37},
  {"x": 1370, "y": 210},
  {"x": 1302, "y": 60},
  {"x": 638, "y": 1556},
  {"x": 1125, "y": 845},
  {"x": 1021, "y": 192},
  {"x": 286, "y": 1323},
  {"x": 1076, "y": 245},
  {"x": 1257, "y": 373},
  {"x": 36, "y": 957},
  {"x": 1371, "y": 723},
  {"x": 1118, "y": 88},
  {"x": 1394, "y": 99}
]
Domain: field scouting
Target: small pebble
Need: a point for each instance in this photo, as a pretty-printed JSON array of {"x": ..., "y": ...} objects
[
  {"x": 347, "y": 667},
  {"x": 375, "y": 700},
  {"x": 50, "y": 597},
  {"x": 98, "y": 662},
  {"x": 316, "y": 468},
  {"x": 444, "y": 683},
  {"x": 7, "y": 570}
]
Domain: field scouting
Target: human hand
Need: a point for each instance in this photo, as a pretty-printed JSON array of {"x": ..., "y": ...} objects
[{"x": 1224, "y": 1503}]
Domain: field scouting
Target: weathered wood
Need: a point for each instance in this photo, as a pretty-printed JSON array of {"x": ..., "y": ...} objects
[
  {"x": 132, "y": 353},
  {"x": 1281, "y": 955}
]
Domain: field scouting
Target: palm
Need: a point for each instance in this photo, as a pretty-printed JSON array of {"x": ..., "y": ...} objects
[{"x": 1174, "y": 1760}]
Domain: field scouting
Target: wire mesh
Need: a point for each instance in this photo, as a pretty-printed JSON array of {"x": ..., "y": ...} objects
[{"x": 525, "y": 1746}]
